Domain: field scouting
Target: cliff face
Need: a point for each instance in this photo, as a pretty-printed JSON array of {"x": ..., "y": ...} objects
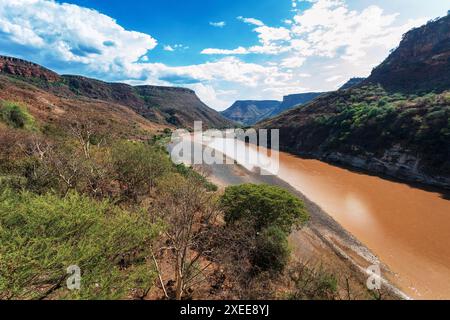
[
  {"x": 22, "y": 68},
  {"x": 294, "y": 100},
  {"x": 404, "y": 134},
  {"x": 163, "y": 105},
  {"x": 250, "y": 112},
  {"x": 421, "y": 63}
]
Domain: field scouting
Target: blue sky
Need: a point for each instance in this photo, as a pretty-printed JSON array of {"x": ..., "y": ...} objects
[{"x": 224, "y": 49}]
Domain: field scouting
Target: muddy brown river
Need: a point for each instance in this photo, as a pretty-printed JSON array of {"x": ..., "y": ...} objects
[{"x": 407, "y": 227}]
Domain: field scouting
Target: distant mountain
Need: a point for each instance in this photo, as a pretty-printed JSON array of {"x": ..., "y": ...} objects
[
  {"x": 352, "y": 83},
  {"x": 294, "y": 100},
  {"x": 249, "y": 112},
  {"x": 396, "y": 122},
  {"x": 174, "y": 106},
  {"x": 420, "y": 63}
]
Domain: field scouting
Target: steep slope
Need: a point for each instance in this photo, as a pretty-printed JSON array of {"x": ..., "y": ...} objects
[
  {"x": 404, "y": 135},
  {"x": 352, "y": 83},
  {"x": 249, "y": 112},
  {"x": 294, "y": 100},
  {"x": 420, "y": 63},
  {"x": 163, "y": 105}
]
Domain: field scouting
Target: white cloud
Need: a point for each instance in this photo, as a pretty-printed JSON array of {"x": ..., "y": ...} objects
[
  {"x": 327, "y": 29},
  {"x": 253, "y": 21},
  {"x": 269, "y": 35},
  {"x": 292, "y": 62},
  {"x": 240, "y": 50},
  {"x": 168, "y": 48},
  {"x": 333, "y": 78},
  {"x": 270, "y": 38},
  {"x": 219, "y": 24},
  {"x": 70, "y": 33}
]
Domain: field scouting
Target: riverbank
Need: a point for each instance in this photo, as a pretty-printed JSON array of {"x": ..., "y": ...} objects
[{"x": 323, "y": 241}]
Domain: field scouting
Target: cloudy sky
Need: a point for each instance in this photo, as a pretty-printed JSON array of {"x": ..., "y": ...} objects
[{"x": 226, "y": 50}]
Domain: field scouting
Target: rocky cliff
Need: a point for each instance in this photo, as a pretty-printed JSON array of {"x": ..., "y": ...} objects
[
  {"x": 250, "y": 112},
  {"x": 421, "y": 63},
  {"x": 293, "y": 100}
]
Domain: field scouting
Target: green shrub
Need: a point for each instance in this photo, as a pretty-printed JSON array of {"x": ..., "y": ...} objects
[
  {"x": 272, "y": 250},
  {"x": 41, "y": 236},
  {"x": 16, "y": 116},
  {"x": 138, "y": 166},
  {"x": 269, "y": 214},
  {"x": 267, "y": 205}
]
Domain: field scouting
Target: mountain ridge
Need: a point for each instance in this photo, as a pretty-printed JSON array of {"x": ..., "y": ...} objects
[
  {"x": 164, "y": 105},
  {"x": 250, "y": 112}
]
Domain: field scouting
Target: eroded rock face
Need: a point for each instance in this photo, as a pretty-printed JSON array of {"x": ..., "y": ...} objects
[
  {"x": 396, "y": 162},
  {"x": 22, "y": 68},
  {"x": 420, "y": 63}
]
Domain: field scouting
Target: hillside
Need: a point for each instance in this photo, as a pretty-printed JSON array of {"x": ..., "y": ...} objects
[
  {"x": 249, "y": 112},
  {"x": 420, "y": 63},
  {"x": 352, "y": 83},
  {"x": 167, "y": 106},
  {"x": 403, "y": 134}
]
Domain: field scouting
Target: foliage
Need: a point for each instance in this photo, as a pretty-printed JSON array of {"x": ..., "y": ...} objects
[
  {"x": 43, "y": 235},
  {"x": 266, "y": 205},
  {"x": 270, "y": 214},
  {"x": 138, "y": 166},
  {"x": 272, "y": 250},
  {"x": 17, "y": 116}
]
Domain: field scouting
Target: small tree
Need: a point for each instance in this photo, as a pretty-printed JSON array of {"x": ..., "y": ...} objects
[
  {"x": 272, "y": 250},
  {"x": 188, "y": 211},
  {"x": 269, "y": 214},
  {"x": 266, "y": 205},
  {"x": 138, "y": 166}
]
